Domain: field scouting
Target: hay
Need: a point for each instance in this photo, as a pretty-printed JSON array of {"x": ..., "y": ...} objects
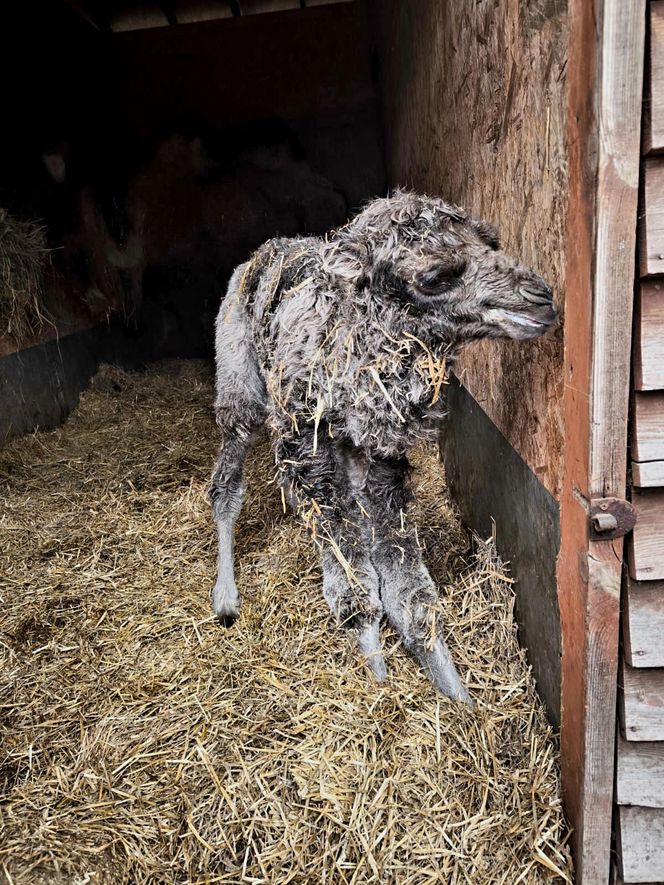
[
  {"x": 23, "y": 259},
  {"x": 142, "y": 743}
]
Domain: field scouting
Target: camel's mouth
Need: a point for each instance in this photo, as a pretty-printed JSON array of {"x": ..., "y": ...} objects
[{"x": 522, "y": 319}]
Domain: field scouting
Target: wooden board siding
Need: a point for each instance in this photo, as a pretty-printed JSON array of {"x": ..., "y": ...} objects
[
  {"x": 640, "y": 842},
  {"x": 640, "y": 748},
  {"x": 643, "y": 624},
  {"x": 653, "y": 129},
  {"x": 619, "y": 89},
  {"x": 642, "y": 703},
  {"x": 649, "y": 336},
  {"x": 651, "y": 228},
  {"x": 648, "y": 474},
  {"x": 648, "y": 427},
  {"x": 640, "y": 773},
  {"x": 646, "y": 543}
]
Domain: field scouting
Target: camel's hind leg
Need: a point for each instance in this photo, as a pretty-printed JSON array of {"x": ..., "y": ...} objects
[{"x": 240, "y": 412}]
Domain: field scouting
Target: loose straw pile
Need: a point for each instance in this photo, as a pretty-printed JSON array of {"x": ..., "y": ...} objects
[{"x": 142, "y": 743}]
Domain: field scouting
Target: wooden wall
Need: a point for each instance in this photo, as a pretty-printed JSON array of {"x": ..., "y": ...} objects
[
  {"x": 474, "y": 106},
  {"x": 640, "y": 754}
]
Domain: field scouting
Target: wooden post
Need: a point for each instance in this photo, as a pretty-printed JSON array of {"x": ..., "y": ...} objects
[{"x": 596, "y": 399}]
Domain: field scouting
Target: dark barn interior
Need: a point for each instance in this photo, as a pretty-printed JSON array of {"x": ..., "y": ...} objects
[{"x": 167, "y": 146}]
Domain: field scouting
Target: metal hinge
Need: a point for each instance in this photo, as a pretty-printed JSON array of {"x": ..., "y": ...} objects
[{"x": 610, "y": 518}]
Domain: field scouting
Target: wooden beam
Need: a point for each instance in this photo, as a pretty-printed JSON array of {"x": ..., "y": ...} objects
[
  {"x": 648, "y": 427},
  {"x": 646, "y": 542},
  {"x": 651, "y": 228},
  {"x": 190, "y": 11},
  {"x": 621, "y": 38},
  {"x": 648, "y": 474},
  {"x": 643, "y": 623},
  {"x": 607, "y": 83},
  {"x": 649, "y": 336},
  {"x": 93, "y": 12},
  {"x": 252, "y": 7},
  {"x": 167, "y": 8},
  {"x": 640, "y": 773},
  {"x": 642, "y": 703},
  {"x": 653, "y": 128},
  {"x": 640, "y": 844}
]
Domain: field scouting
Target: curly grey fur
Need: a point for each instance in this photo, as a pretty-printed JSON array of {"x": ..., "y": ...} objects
[{"x": 341, "y": 345}]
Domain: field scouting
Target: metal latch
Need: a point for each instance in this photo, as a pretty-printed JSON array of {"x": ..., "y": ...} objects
[{"x": 610, "y": 518}]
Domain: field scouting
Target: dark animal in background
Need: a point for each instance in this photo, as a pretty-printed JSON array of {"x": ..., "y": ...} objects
[
  {"x": 153, "y": 243},
  {"x": 341, "y": 345}
]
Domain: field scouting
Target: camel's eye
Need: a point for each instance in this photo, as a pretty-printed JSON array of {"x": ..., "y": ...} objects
[{"x": 441, "y": 276}]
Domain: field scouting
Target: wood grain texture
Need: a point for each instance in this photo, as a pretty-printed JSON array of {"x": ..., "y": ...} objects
[
  {"x": 620, "y": 98},
  {"x": 640, "y": 773},
  {"x": 653, "y": 128},
  {"x": 573, "y": 574},
  {"x": 648, "y": 427},
  {"x": 651, "y": 227},
  {"x": 649, "y": 336},
  {"x": 640, "y": 844},
  {"x": 646, "y": 542},
  {"x": 475, "y": 110},
  {"x": 642, "y": 703},
  {"x": 643, "y": 623},
  {"x": 648, "y": 474}
]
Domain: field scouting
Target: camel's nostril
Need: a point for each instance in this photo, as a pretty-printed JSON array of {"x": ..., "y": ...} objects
[{"x": 537, "y": 292}]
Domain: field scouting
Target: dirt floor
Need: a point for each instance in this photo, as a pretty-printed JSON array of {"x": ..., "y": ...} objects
[{"x": 142, "y": 743}]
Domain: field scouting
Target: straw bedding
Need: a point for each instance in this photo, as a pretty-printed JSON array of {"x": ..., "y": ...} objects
[
  {"x": 23, "y": 260},
  {"x": 142, "y": 743}
]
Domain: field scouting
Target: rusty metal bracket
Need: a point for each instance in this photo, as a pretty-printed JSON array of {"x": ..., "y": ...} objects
[{"x": 610, "y": 518}]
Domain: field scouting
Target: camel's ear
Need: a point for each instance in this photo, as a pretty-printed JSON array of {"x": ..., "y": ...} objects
[
  {"x": 488, "y": 233},
  {"x": 347, "y": 256}
]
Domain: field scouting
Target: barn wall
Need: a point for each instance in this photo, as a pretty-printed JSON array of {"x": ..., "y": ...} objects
[
  {"x": 310, "y": 68},
  {"x": 474, "y": 109}
]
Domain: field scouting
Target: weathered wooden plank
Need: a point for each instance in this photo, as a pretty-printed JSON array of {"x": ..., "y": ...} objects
[
  {"x": 643, "y": 623},
  {"x": 150, "y": 15},
  {"x": 620, "y": 117},
  {"x": 648, "y": 427},
  {"x": 251, "y": 7},
  {"x": 646, "y": 542},
  {"x": 640, "y": 773},
  {"x": 653, "y": 122},
  {"x": 651, "y": 228},
  {"x": 649, "y": 336},
  {"x": 640, "y": 843},
  {"x": 642, "y": 703},
  {"x": 622, "y": 40},
  {"x": 648, "y": 474},
  {"x": 190, "y": 11}
]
